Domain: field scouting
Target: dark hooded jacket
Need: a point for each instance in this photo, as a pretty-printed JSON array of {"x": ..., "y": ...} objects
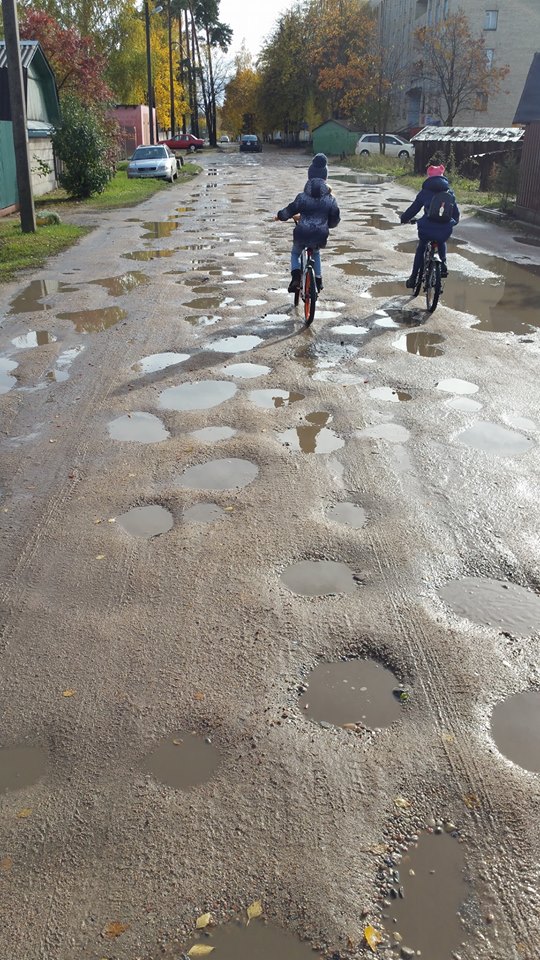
[
  {"x": 428, "y": 229},
  {"x": 318, "y": 211}
]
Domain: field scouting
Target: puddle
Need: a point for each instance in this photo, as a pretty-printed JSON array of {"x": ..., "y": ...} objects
[
  {"x": 327, "y": 314},
  {"x": 226, "y": 474},
  {"x": 254, "y": 941},
  {"x": 146, "y": 522},
  {"x": 157, "y": 229},
  {"x": 349, "y": 330},
  {"x": 378, "y": 221},
  {"x": 392, "y": 432},
  {"x": 60, "y": 372},
  {"x": 255, "y": 303},
  {"x": 35, "y": 338},
  {"x": 462, "y": 387},
  {"x": 515, "y": 725},
  {"x": 197, "y": 395},
  {"x": 6, "y": 380},
  {"x": 21, "y": 767},
  {"x": 182, "y": 760},
  {"x": 431, "y": 873},
  {"x": 270, "y": 399},
  {"x": 138, "y": 427},
  {"x": 118, "y": 286},
  {"x": 245, "y": 255},
  {"x": 148, "y": 254},
  {"x": 492, "y": 438},
  {"x": 464, "y": 404},
  {"x": 203, "y": 513},
  {"x": 246, "y": 371},
  {"x": 28, "y": 301},
  {"x": 204, "y": 321},
  {"x": 159, "y": 361},
  {"x": 204, "y": 303},
  {"x": 235, "y": 344},
  {"x": 213, "y": 434},
  {"x": 313, "y": 436},
  {"x": 319, "y": 578},
  {"x": 422, "y": 344},
  {"x": 388, "y": 393},
  {"x": 356, "y": 268},
  {"x": 351, "y": 514},
  {"x": 93, "y": 321},
  {"x": 494, "y": 603},
  {"x": 254, "y": 276},
  {"x": 351, "y": 691}
]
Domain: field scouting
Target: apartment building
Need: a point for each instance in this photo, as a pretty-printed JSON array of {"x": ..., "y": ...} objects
[{"x": 511, "y": 32}]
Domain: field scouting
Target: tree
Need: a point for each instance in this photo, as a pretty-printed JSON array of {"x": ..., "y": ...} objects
[
  {"x": 217, "y": 35},
  {"x": 241, "y": 95},
  {"x": 343, "y": 55},
  {"x": 455, "y": 64},
  {"x": 287, "y": 85}
]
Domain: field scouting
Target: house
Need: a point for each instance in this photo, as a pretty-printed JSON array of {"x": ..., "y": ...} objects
[
  {"x": 134, "y": 125},
  {"x": 42, "y": 113},
  {"x": 528, "y": 112},
  {"x": 483, "y": 145},
  {"x": 334, "y": 138}
]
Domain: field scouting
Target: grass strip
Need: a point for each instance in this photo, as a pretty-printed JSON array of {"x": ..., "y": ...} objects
[
  {"x": 21, "y": 251},
  {"x": 119, "y": 192}
]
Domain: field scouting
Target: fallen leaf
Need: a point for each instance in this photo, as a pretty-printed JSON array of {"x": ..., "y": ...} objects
[
  {"x": 254, "y": 910},
  {"x": 402, "y": 803},
  {"x": 114, "y": 929},
  {"x": 6, "y": 864},
  {"x": 111, "y": 520},
  {"x": 98, "y": 521},
  {"x": 68, "y": 693},
  {"x": 471, "y": 801},
  {"x": 203, "y": 920},
  {"x": 198, "y": 695},
  {"x": 448, "y": 737},
  {"x": 379, "y": 848},
  {"x": 200, "y": 950},
  {"x": 24, "y": 813},
  {"x": 372, "y": 937},
  {"x": 229, "y": 509},
  {"x": 53, "y": 441},
  {"x": 178, "y": 743},
  {"x": 100, "y": 556}
]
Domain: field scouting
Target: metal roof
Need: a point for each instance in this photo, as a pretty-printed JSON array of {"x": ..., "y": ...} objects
[
  {"x": 471, "y": 134},
  {"x": 28, "y": 52},
  {"x": 528, "y": 110}
]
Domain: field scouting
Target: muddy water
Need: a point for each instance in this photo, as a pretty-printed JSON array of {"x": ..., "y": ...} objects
[
  {"x": 21, "y": 767},
  {"x": 453, "y": 385},
  {"x": 246, "y": 371},
  {"x": 146, "y": 522},
  {"x": 351, "y": 691},
  {"x": 388, "y": 393},
  {"x": 357, "y": 268},
  {"x": 28, "y": 301},
  {"x": 35, "y": 338},
  {"x": 148, "y": 254},
  {"x": 197, "y": 395},
  {"x": 319, "y": 578},
  {"x": 271, "y": 399},
  {"x": 138, "y": 427},
  {"x": 226, "y": 474},
  {"x": 6, "y": 380},
  {"x": 157, "y": 229},
  {"x": 313, "y": 436},
  {"x": 159, "y": 361},
  {"x": 204, "y": 513},
  {"x": 93, "y": 321},
  {"x": 213, "y": 434},
  {"x": 492, "y": 438},
  {"x": 182, "y": 760},
  {"x": 431, "y": 876},
  {"x": 348, "y": 513},
  {"x": 494, "y": 603},
  {"x": 235, "y": 344},
  {"x": 118, "y": 286},
  {"x": 349, "y": 330},
  {"x": 422, "y": 344},
  {"x": 507, "y": 304},
  {"x": 254, "y": 941},
  {"x": 515, "y": 725}
]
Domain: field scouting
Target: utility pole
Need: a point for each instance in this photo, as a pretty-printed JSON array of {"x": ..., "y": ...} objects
[
  {"x": 171, "y": 72},
  {"x": 18, "y": 116},
  {"x": 148, "y": 72}
]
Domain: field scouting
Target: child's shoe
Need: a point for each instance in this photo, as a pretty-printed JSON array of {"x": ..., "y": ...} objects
[
  {"x": 318, "y": 281},
  {"x": 294, "y": 285},
  {"x": 444, "y": 269}
]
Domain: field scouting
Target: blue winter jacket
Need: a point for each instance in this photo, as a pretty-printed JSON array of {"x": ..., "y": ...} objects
[
  {"x": 428, "y": 229},
  {"x": 318, "y": 211}
]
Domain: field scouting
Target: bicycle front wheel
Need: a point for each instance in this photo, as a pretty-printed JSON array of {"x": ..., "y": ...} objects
[
  {"x": 310, "y": 295},
  {"x": 433, "y": 285}
]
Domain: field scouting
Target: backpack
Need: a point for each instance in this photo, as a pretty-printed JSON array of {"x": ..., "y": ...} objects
[{"x": 441, "y": 207}]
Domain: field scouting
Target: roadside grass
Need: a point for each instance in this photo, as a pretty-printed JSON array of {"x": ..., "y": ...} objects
[
  {"x": 21, "y": 251},
  {"x": 119, "y": 192}
]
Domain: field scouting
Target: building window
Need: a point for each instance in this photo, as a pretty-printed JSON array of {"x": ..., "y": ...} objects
[
  {"x": 489, "y": 57},
  {"x": 490, "y": 20},
  {"x": 481, "y": 102}
]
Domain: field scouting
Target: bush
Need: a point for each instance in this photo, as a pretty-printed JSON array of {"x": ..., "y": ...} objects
[
  {"x": 506, "y": 180},
  {"x": 85, "y": 145}
]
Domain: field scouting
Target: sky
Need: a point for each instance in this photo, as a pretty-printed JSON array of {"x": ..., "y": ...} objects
[{"x": 251, "y": 21}]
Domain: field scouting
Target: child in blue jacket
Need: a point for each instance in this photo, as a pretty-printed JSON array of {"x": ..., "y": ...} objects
[
  {"x": 430, "y": 229},
  {"x": 317, "y": 213}
]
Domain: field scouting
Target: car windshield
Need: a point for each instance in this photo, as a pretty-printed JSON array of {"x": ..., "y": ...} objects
[
  {"x": 248, "y": 138},
  {"x": 149, "y": 153}
]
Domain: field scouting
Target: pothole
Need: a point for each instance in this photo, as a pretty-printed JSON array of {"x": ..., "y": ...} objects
[
  {"x": 421, "y": 343},
  {"x": 352, "y": 692},
  {"x": 322, "y": 355},
  {"x": 494, "y": 603},
  {"x": 390, "y": 394},
  {"x": 34, "y": 338},
  {"x": 461, "y": 387},
  {"x": 148, "y": 254},
  {"x": 21, "y": 767},
  {"x": 157, "y": 229},
  {"x": 391, "y": 432},
  {"x": 204, "y": 303},
  {"x": 319, "y": 578},
  {"x": 29, "y": 300},
  {"x": 464, "y": 404},
  {"x": 515, "y": 725},
  {"x": 62, "y": 364},
  {"x": 183, "y": 760},
  {"x": 348, "y": 513},
  {"x": 6, "y": 380},
  {"x": 197, "y": 395},
  {"x": 94, "y": 321},
  {"x": 349, "y": 330},
  {"x": 203, "y": 513},
  {"x": 159, "y": 361},
  {"x": 235, "y": 344},
  {"x": 146, "y": 522},
  {"x": 271, "y": 399},
  {"x": 226, "y": 474},
  {"x": 246, "y": 371},
  {"x": 492, "y": 438},
  {"x": 213, "y": 434},
  {"x": 118, "y": 286},
  {"x": 138, "y": 427},
  {"x": 253, "y": 941},
  {"x": 313, "y": 436}
]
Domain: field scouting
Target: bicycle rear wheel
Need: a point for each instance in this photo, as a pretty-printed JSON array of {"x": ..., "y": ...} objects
[
  {"x": 310, "y": 295},
  {"x": 433, "y": 285}
]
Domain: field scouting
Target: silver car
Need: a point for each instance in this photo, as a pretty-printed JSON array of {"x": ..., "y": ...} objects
[{"x": 156, "y": 161}]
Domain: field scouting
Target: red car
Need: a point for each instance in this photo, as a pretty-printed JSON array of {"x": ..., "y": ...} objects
[{"x": 183, "y": 141}]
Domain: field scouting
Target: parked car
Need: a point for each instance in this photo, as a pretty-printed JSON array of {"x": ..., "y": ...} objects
[
  {"x": 155, "y": 161},
  {"x": 394, "y": 146},
  {"x": 224, "y": 139},
  {"x": 249, "y": 143},
  {"x": 184, "y": 141}
]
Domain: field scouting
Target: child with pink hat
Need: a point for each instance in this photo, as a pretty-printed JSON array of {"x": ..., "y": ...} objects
[{"x": 441, "y": 214}]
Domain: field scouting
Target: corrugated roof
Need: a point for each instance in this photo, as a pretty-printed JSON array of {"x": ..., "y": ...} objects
[
  {"x": 470, "y": 134},
  {"x": 28, "y": 51},
  {"x": 528, "y": 110}
]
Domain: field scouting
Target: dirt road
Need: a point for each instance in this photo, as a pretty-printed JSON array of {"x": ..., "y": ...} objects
[{"x": 398, "y": 455}]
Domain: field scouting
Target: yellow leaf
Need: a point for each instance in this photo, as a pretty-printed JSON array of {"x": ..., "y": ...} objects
[
  {"x": 100, "y": 556},
  {"x": 471, "y": 801},
  {"x": 68, "y": 693},
  {"x": 254, "y": 910},
  {"x": 372, "y": 937},
  {"x": 114, "y": 929},
  {"x": 200, "y": 950},
  {"x": 402, "y": 803},
  {"x": 198, "y": 695},
  {"x": 6, "y": 864},
  {"x": 204, "y": 918},
  {"x": 24, "y": 813}
]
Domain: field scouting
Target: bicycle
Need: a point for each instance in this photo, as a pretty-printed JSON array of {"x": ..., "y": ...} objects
[
  {"x": 430, "y": 275},
  {"x": 308, "y": 285}
]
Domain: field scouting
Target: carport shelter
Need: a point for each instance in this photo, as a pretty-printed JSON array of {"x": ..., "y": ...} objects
[
  {"x": 334, "y": 138},
  {"x": 42, "y": 114},
  {"x": 528, "y": 112},
  {"x": 482, "y": 144}
]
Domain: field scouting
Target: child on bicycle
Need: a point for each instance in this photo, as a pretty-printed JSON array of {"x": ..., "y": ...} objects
[
  {"x": 316, "y": 212},
  {"x": 441, "y": 214}
]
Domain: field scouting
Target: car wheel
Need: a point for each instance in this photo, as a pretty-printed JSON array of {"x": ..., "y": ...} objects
[
  {"x": 403, "y": 155},
  {"x": 364, "y": 153}
]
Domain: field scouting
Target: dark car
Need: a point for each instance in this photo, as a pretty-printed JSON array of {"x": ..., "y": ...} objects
[
  {"x": 184, "y": 141},
  {"x": 249, "y": 143}
]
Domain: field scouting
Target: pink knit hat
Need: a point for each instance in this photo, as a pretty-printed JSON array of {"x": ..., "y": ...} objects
[{"x": 436, "y": 171}]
